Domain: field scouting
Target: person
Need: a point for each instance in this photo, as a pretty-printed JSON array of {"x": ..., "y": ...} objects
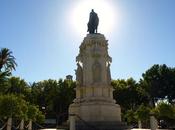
[{"x": 93, "y": 22}]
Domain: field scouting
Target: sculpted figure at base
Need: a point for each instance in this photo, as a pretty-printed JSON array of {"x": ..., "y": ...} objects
[
  {"x": 79, "y": 74},
  {"x": 93, "y": 22},
  {"x": 108, "y": 74}
]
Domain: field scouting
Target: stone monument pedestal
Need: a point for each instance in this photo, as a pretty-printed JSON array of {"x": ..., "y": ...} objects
[
  {"x": 94, "y": 106},
  {"x": 97, "y": 111},
  {"x": 100, "y": 125}
]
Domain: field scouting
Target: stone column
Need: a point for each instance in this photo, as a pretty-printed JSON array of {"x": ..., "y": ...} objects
[
  {"x": 21, "y": 127},
  {"x": 153, "y": 123},
  {"x": 30, "y": 125},
  {"x": 9, "y": 123},
  {"x": 140, "y": 124},
  {"x": 72, "y": 121}
]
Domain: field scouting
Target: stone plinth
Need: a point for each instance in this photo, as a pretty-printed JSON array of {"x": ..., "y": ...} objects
[
  {"x": 101, "y": 125},
  {"x": 94, "y": 101},
  {"x": 96, "y": 111}
]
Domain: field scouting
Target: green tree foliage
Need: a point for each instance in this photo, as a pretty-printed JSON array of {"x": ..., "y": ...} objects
[
  {"x": 66, "y": 95},
  {"x": 17, "y": 86},
  {"x": 142, "y": 113},
  {"x": 12, "y": 106},
  {"x": 7, "y": 60},
  {"x": 54, "y": 95},
  {"x": 35, "y": 114},
  {"x": 128, "y": 94},
  {"x": 130, "y": 118},
  {"x": 16, "y": 107},
  {"x": 7, "y": 63},
  {"x": 9, "y": 105},
  {"x": 159, "y": 83},
  {"x": 14, "y": 92},
  {"x": 165, "y": 112}
]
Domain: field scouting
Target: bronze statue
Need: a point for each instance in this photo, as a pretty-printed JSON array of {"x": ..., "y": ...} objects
[{"x": 93, "y": 22}]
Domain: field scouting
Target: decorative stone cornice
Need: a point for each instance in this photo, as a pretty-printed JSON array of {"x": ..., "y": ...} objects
[{"x": 93, "y": 40}]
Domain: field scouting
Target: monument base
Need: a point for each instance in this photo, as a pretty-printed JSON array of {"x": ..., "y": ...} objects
[
  {"x": 100, "y": 125},
  {"x": 96, "y": 111}
]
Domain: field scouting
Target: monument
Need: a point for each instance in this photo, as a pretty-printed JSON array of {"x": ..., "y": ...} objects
[{"x": 94, "y": 107}]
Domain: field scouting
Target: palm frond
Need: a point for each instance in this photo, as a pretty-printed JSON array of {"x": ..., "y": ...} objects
[{"x": 7, "y": 60}]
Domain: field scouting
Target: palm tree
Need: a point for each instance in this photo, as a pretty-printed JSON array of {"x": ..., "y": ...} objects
[
  {"x": 7, "y": 60},
  {"x": 7, "y": 63}
]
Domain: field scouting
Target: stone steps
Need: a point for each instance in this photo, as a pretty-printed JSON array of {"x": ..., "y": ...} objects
[{"x": 102, "y": 125}]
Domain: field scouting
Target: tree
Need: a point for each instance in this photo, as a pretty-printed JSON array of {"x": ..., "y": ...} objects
[
  {"x": 130, "y": 118},
  {"x": 142, "y": 114},
  {"x": 3, "y": 76},
  {"x": 13, "y": 106},
  {"x": 7, "y": 64},
  {"x": 128, "y": 94},
  {"x": 165, "y": 113},
  {"x": 158, "y": 83},
  {"x": 35, "y": 114},
  {"x": 7, "y": 61},
  {"x": 44, "y": 93},
  {"x": 55, "y": 96},
  {"x": 17, "y": 86},
  {"x": 66, "y": 94}
]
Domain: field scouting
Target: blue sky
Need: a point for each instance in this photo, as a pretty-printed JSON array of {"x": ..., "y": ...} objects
[{"x": 39, "y": 34}]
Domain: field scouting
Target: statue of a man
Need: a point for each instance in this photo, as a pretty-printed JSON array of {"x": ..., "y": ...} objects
[{"x": 93, "y": 22}]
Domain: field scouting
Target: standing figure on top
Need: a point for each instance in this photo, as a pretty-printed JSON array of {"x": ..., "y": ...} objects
[{"x": 93, "y": 22}]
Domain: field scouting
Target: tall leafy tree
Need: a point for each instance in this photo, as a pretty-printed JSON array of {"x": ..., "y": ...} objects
[
  {"x": 66, "y": 95},
  {"x": 128, "y": 94},
  {"x": 158, "y": 82},
  {"x": 54, "y": 95}
]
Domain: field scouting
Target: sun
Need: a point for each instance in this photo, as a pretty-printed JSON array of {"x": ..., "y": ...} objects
[{"x": 80, "y": 15}]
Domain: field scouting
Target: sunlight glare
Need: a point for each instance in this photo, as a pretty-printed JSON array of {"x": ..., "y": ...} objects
[{"x": 80, "y": 15}]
